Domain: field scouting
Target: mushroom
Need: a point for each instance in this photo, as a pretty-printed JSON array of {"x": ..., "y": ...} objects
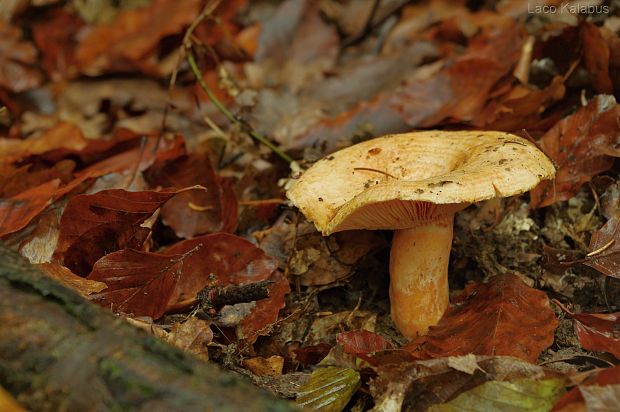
[{"x": 414, "y": 183}]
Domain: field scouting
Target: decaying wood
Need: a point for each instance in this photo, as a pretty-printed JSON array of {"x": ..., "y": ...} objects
[{"x": 60, "y": 352}]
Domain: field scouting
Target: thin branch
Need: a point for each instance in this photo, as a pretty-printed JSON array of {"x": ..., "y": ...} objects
[{"x": 231, "y": 117}]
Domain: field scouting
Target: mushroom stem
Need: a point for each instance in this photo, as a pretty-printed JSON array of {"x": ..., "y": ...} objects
[{"x": 419, "y": 275}]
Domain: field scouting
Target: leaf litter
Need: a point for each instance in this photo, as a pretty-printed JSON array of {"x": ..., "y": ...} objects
[{"x": 104, "y": 127}]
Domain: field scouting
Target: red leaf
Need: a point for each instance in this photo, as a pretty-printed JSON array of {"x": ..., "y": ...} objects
[
  {"x": 221, "y": 259},
  {"x": 139, "y": 283},
  {"x": 17, "y": 211},
  {"x": 580, "y": 145},
  {"x": 597, "y": 331},
  {"x": 362, "y": 341},
  {"x": 196, "y": 212},
  {"x": 608, "y": 380},
  {"x": 605, "y": 249},
  {"x": 265, "y": 313},
  {"x": 501, "y": 317},
  {"x": 94, "y": 225}
]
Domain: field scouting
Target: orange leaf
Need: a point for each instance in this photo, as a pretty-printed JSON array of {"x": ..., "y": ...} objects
[{"x": 17, "y": 211}]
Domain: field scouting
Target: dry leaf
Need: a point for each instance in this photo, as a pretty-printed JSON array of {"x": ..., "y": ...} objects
[
  {"x": 94, "y": 225},
  {"x": 501, "y": 317},
  {"x": 84, "y": 286}
]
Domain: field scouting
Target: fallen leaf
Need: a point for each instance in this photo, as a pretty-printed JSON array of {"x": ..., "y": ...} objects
[
  {"x": 329, "y": 389},
  {"x": 63, "y": 275},
  {"x": 192, "y": 336},
  {"x": 266, "y": 310},
  {"x": 599, "y": 393},
  {"x": 95, "y": 225},
  {"x": 501, "y": 317},
  {"x": 39, "y": 246},
  {"x": 16, "y": 212},
  {"x": 362, "y": 342},
  {"x": 197, "y": 212},
  {"x": 459, "y": 91},
  {"x": 597, "y": 331},
  {"x": 62, "y": 136},
  {"x": 605, "y": 249},
  {"x": 139, "y": 283},
  {"x": 129, "y": 42},
  {"x": 580, "y": 146},
  {"x": 596, "y": 57},
  {"x": 417, "y": 386},
  {"x": 17, "y": 59},
  {"x": 519, "y": 395},
  {"x": 223, "y": 259},
  {"x": 54, "y": 37},
  {"x": 271, "y": 366}
]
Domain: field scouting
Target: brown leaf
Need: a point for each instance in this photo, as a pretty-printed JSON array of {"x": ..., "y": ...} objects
[
  {"x": 16, "y": 212},
  {"x": 221, "y": 259},
  {"x": 94, "y": 225},
  {"x": 597, "y": 331},
  {"x": 271, "y": 366},
  {"x": 459, "y": 91},
  {"x": 54, "y": 36},
  {"x": 579, "y": 145},
  {"x": 196, "y": 212},
  {"x": 416, "y": 386},
  {"x": 130, "y": 40},
  {"x": 596, "y": 57},
  {"x": 192, "y": 336},
  {"x": 599, "y": 393},
  {"x": 501, "y": 317},
  {"x": 139, "y": 283},
  {"x": 265, "y": 313},
  {"x": 604, "y": 249},
  {"x": 17, "y": 58},
  {"x": 83, "y": 286},
  {"x": 362, "y": 342}
]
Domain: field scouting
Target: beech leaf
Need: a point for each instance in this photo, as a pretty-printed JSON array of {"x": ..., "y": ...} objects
[
  {"x": 501, "y": 317},
  {"x": 579, "y": 145},
  {"x": 195, "y": 213},
  {"x": 597, "y": 331},
  {"x": 94, "y": 225},
  {"x": 139, "y": 283},
  {"x": 605, "y": 249}
]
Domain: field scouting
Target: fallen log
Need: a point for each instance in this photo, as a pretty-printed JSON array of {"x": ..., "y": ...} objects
[{"x": 58, "y": 352}]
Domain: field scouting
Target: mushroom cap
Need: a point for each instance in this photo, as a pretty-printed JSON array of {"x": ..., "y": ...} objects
[{"x": 397, "y": 181}]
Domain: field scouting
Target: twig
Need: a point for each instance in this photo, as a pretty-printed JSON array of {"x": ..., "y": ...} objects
[
  {"x": 211, "y": 297},
  {"x": 231, "y": 117}
]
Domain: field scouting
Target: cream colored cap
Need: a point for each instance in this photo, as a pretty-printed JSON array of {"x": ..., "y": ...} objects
[{"x": 394, "y": 181}]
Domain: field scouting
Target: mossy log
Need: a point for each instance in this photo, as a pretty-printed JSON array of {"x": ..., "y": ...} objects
[{"x": 59, "y": 352}]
